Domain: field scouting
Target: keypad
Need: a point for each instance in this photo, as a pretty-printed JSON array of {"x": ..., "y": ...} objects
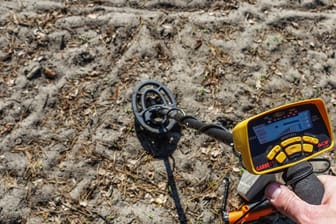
[
  {"x": 310, "y": 140},
  {"x": 273, "y": 152},
  {"x": 292, "y": 146},
  {"x": 308, "y": 148},
  {"x": 292, "y": 149},
  {"x": 290, "y": 141},
  {"x": 281, "y": 157}
]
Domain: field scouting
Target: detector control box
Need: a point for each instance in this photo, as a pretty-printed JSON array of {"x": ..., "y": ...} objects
[{"x": 284, "y": 136}]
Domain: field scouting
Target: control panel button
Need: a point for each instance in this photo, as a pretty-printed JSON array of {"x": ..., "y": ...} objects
[
  {"x": 292, "y": 149},
  {"x": 271, "y": 155},
  {"x": 273, "y": 152},
  {"x": 310, "y": 139},
  {"x": 281, "y": 157},
  {"x": 290, "y": 141},
  {"x": 308, "y": 148}
]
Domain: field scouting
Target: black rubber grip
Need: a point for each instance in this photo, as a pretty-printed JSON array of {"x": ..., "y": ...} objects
[{"x": 305, "y": 183}]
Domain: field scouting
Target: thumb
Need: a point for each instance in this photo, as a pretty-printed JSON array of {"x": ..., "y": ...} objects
[{"x": 288, "y": 203}]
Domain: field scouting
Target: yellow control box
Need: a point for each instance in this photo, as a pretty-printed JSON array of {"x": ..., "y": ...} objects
[{"x": 284, "y": 136}]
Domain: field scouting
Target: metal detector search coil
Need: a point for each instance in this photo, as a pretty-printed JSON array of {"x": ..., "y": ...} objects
[{"x": 284, "y": 136}]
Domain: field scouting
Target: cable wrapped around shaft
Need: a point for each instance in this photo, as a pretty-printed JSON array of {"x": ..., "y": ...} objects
[{"x": 216, "y": 131}]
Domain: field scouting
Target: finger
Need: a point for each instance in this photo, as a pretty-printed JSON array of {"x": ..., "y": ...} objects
[
  {"x": 329, "y": 183},
  {"x": 323, "y": 178},
  {"x": 288, "y": 203},
  {"x": 327, "y": 179}
]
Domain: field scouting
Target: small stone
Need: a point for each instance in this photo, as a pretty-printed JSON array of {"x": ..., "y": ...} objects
[
  {"x": 235, "y": 169},
  {"x": 18, "y": 141},
  {"x": 215, "y": 153},
  {"x": 167, "y": 31},
  {"x": 159, "y": 201},
  {"x": 49, "y": 73},
  {"x": 83, "y": 203},
  {"x": 205, "y": 150},
  {"x": 162, "y": 185},
  {"x": 33, "y": 71}
]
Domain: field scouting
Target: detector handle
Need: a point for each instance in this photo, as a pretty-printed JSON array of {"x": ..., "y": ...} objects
[{"x": 304, "y": 182}]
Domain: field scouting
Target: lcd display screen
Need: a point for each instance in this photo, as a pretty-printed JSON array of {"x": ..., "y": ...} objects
[{"x": 274, "y": 130}]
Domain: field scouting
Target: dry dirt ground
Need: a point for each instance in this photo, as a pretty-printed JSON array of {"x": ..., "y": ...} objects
[{"x": 68, "y": 150}]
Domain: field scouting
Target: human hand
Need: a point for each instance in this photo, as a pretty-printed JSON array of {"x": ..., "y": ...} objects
[{"x": 288, "y": 203}]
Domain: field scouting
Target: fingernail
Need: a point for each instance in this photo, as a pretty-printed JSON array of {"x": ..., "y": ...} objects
[{"x": 273, "y": 190}]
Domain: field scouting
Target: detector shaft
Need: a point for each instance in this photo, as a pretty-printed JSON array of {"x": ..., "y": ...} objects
[{"x": 213, "y": 130}]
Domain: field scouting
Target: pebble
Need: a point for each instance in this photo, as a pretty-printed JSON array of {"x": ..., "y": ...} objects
[
  {"x": 49, "y": 73},
  {"x": 167, "y": 31},
  {"x": 18, "y": 141},
  {"x": 33, "y": 71}
]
